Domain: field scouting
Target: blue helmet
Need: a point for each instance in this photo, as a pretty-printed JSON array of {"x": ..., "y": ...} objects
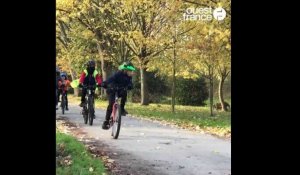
[{"x": 63, "y": 74}]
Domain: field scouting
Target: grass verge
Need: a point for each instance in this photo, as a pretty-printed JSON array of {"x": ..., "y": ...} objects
[{"x": 72, "y": 158}]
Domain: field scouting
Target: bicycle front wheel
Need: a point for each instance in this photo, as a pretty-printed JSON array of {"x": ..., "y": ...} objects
[
  {"x": 91, "y": 111},
  {"x": 116, "y": 127},
  {"x": 85, "y": 115}
]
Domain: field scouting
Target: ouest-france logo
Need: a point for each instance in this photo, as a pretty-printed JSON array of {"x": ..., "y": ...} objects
[{"x": 204, "y": 14}]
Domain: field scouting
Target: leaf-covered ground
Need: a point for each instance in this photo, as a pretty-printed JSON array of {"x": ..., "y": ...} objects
[
  {"x": 187, "y": 117},
  {"x": 73, "y": 158}
]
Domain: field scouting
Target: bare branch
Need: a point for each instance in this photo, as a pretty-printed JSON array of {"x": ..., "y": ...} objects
[
  {"x": 62, "y": 10},
  {"x": 158, "y": 52},
  {"x": 128, "y": 45},
  {"x": 62, "y": 41}
]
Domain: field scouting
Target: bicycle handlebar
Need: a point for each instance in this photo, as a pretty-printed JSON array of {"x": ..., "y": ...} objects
[
  {"x": 89, "y": 86},
  {"x": 117, "y": 88}
]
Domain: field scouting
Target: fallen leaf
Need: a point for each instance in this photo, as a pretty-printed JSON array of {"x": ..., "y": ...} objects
[
  {"x": 69, "y": 163},
  {"x": 110, "y": 160}
]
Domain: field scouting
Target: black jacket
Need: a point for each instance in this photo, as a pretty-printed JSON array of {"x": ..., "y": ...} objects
[
  {"x": 58, "y": 78},
  {"x": 120, "y": 79}
]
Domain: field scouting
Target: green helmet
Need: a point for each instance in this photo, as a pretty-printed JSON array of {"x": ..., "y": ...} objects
[{"x": 127, "y": 66}]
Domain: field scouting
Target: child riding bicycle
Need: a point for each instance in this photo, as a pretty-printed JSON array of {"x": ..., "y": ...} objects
[
  {"x": 122, "y": 78},
  {"x": 89, "y": 76},
  {"x": 57, "y": 91},
  {"x": 64, "y": 84}
]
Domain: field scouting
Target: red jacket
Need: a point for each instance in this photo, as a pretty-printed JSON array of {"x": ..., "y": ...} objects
[
  {"x": 83, "y": 76},
  {"x": 66, "y": 82}
]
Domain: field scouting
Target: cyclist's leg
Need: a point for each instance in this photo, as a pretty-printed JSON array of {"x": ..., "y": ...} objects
[
  {"x": 94, "y": 103},
  {"x": 123, "y": 96},
  {"x": 84, "y": 91},
  {"x": 58, "y": 95},
  {"x": 56, "y": 98},
  {"x": 67, "y": 108},
  {"x": 111, "y": 100},
  {"x": 61, "y": 99}
]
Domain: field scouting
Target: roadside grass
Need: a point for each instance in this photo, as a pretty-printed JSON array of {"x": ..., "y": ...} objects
[{"x": 73, "y": 158}]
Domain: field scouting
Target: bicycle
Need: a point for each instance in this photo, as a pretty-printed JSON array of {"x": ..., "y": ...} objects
[
  {"x": 63, "y": 99},
  {"x": 115, "y": 118},
  {"x": 88, "y": 110}
]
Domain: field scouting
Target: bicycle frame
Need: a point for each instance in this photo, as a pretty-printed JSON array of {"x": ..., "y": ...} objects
[
  {"x": 86, "y": 109},
  {"x": 63, "y": 98},
  {"x": 63, "y": 92},
  {"x": 115, "y": 106},
  {"x": 115, "y": 118},
  {"x": 90, "y": 93}
]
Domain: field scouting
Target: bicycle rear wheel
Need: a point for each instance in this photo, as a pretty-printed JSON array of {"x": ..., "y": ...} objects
[
  {"x": 91, "y": 111},
  {"x": 116, "y": 127},
  {"x": 85, "y": 115},
  {"x": 63, "y": 104}
]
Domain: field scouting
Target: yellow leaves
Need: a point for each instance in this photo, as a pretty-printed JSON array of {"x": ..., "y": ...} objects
[
  {"x": 221, "y": 34},
  {"x": 136, "y": 35},
  {"x": 227, "y": 32},
  {"x": 64, "y": 18},
  {"x": 228, "y": 46},
  {"x": 225, "y": 39},
  {"x": 189, "y": 75},
  {"x": 64, "y": 4},
  {"x": 220, "y": 4},
  {"x": 217, "y": 39},
  {"x": 87, "y": 34}
]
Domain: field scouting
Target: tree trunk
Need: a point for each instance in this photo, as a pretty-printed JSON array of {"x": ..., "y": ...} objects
[
  {"x": 223, "y": 74},
  {"x": 144, "y": 87},
  {"x": 104, "y": 75},
  {"x": 211, "y": 89},
  {"x": 221, "y": 98},
  {"x": 173, "y": 87},
  {"x": 211, "y": 95},
  {"x": 103, "y": 68},
  {"x": 173, "y": 78},
  {"x": 74, "y": 77},
  {"x": 72, "y": 73},
  {"x": 76, "y": 92}
]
